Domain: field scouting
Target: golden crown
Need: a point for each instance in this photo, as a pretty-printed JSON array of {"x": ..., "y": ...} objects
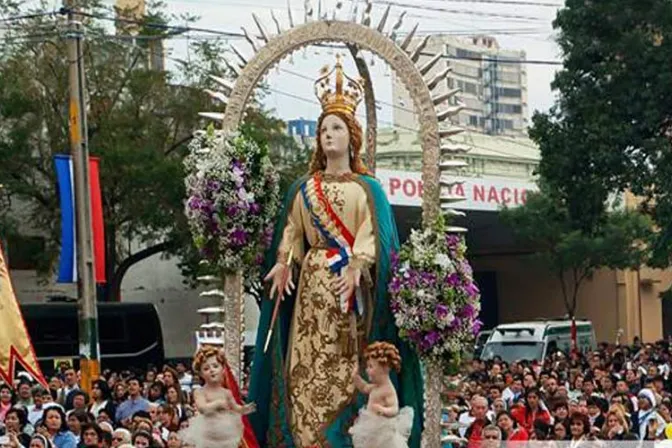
[{"x": 344, "y": 96}]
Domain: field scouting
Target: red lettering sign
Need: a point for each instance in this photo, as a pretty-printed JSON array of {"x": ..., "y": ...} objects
[
  {"x": 395, "y": 183},
  {"x": 479, "y": 193}
]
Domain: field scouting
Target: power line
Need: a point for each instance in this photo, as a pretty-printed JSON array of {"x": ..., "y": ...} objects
[
  {"x": 504, "y": 2},
  {"x": 181, "y": 29},
  {"x": 498, "y": 60},
  {"x": 29, "y": 37},
  {"x": 501, "y": 60},
  {"x": 459, "y": 11},
  {"x": 28, "y": 16}
]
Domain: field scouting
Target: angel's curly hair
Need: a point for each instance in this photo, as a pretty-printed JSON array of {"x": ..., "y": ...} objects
[
  {"x": 203, "y": 353},
  {"x": 385, "y": 353}
]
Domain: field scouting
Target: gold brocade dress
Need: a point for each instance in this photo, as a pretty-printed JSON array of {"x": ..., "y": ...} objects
[{"x": 319, "y": 367}]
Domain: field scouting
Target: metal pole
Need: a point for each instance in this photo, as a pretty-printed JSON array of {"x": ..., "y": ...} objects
[{"x": 86, "y": 292}]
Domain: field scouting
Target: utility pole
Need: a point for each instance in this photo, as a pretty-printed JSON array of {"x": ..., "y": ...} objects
[{"x": 89, "y": 349}]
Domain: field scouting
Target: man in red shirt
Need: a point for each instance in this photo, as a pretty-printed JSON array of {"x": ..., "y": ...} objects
[{"x": 479, "y": 410}]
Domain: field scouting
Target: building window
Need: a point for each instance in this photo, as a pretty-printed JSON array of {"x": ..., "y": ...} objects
[
  {"x": 466, "y": 54},
  {"x": 473, "y": 120},
  {"x": 508, "y": 77},
  {"x": 465, "y": 70},
  {"x": 508, "y": 93},
  {"x": 503, "y": 124},
  {"x": 509, "y": 108},
  {"x": 468, "y": 87}
]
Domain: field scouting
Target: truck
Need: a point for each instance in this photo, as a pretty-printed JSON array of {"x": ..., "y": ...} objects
[{"x": 534, "y": 340}]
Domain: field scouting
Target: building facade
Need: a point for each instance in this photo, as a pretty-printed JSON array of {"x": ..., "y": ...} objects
[
  {"x": 492, "y": 83},
  {"x": 514, "y": 285}
]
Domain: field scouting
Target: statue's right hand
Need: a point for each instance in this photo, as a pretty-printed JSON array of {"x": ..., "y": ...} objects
[{"x": 281, "y": 280}]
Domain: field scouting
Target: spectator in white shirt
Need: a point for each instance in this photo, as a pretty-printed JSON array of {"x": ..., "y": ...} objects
[{"x": 36, "y": 410}]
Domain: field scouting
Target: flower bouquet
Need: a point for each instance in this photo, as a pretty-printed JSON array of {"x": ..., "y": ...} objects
[
  {"x": 434, "y": 299},
  {"x": 232, "y": 199}
]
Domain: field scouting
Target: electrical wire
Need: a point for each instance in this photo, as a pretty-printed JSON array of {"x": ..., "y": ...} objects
[
  {"x": 43, "y": 37},
  {"x": 504, "y": 2},
  {"x": 495, "y": 59},
  {"x": 181, "y": 29},
  {"x": 28, "y": 16},
  {"x": 459, "y": 11}
]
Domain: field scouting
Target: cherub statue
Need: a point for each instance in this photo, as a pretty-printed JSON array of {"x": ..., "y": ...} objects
[
  {"x": 221, "y": 421},
  {"x": 381, "y": 424}
]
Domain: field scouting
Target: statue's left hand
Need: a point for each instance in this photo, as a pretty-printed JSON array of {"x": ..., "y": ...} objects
[
  {"x": 348, "y": 282},
  {"x": 249, "y": 408}
]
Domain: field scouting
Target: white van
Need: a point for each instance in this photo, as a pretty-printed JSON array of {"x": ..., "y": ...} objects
[{"x": 533, "y": 340}]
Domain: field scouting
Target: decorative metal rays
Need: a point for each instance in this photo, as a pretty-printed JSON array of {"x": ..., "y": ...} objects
[{"x": 281, "y": 43}]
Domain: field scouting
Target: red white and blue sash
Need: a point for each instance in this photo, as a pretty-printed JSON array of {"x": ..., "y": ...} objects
[{"x": 338, "y": 237}]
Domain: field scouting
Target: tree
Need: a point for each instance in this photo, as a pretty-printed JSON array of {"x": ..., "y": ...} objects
[
  {"x": 545, "y": 225},
  {"x": 611, "y": 127},
  {"x": 140, "y": 121}
]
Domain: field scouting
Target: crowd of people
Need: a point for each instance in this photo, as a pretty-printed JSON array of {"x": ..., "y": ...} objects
[
  {"x": 616, "y": 393},
  {"x": 123, "y": 410}
]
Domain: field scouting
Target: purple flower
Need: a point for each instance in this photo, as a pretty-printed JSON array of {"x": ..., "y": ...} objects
[
  {"x": 453, "y": 241},
  {"x": 194, "y": 203},
  {"x": 394, "y": 259},
  {"x": 412, "y": 279},
  {"x": 238, "y": 237},
  {"x": 213, "y": 226},
  {"x": 477, "y": 327},
  {"x": 428, "y": 278},
  {"x": 259, "y": 259},
  {"x": 468, "y": 311},
  {"x": 431, "y": 339},
  {"x": 394, "y": 306},
  {"x": 471, "y": 290},
  {"x": 214, "y": 185},
  {"x": 206, "y": 206},
  {"x": 456, "y": 323},
  {"x": 255, "y": 208},
  {"x": 441, "y": 311},
  {"x": 231, "y": 211},
  {"x": 395, "y": 285},
  {"x": 453, "y": 279},
  {"x": 465, "y": 268}
]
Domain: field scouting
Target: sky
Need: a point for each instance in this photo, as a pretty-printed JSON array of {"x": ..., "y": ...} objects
[{"x": 516, "y": 24}]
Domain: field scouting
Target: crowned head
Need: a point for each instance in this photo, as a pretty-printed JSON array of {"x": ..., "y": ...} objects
[
  {"x": 339, "y": 96},
  {"x": 338, "y": 92}
]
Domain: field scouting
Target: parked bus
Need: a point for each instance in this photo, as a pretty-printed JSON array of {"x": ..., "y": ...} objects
[{"x": 129, "y": 333}]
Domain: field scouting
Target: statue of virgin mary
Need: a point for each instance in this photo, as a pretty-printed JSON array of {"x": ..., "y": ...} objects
[{"x": 337, "y": 229}]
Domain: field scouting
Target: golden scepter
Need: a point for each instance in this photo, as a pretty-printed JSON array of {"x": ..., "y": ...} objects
[{"x": 281, "y": 295}]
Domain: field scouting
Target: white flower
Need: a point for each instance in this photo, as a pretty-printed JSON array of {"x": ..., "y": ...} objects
[{"x": 443, "y": 261}]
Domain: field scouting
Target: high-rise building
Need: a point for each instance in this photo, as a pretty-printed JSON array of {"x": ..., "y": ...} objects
[
  {"x": 131, "y": 12},
  {"x": 492, "y": 81}
]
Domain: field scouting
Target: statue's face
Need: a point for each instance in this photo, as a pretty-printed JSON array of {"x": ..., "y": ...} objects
[
  {"x": 211, "y": 370},
  {"x": 334, "y": 137}
]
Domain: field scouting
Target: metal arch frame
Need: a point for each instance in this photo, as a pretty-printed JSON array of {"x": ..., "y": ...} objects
[
  {"x": 354, "y": 35},
  {"x": 366, "y": 38}
]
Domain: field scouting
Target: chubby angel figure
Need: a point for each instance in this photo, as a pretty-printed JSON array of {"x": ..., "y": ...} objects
[
  {"x": 381, "y": 424},
  {"x": 219, "y": 423}
]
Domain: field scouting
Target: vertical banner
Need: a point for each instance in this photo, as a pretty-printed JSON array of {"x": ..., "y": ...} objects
[
  {"x": 67, "y": 269},
  {"x": 97, "y": 219},
  {"x": 15, "y": 345}
]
